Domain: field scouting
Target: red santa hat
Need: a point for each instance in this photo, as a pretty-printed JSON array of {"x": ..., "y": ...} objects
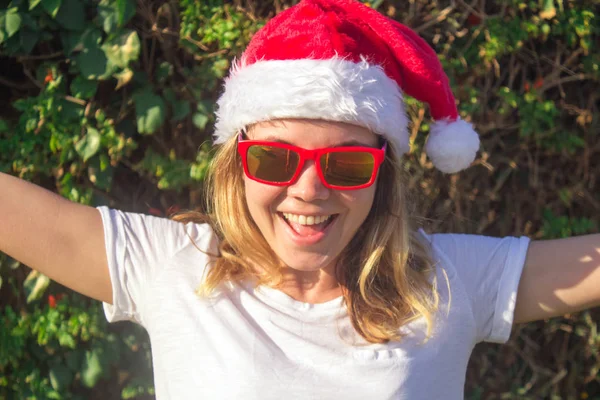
[{"x": 340, "y": 60}]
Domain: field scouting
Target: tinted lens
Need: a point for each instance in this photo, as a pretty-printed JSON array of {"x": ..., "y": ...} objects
[
  {"x": 347, "y": 168},
  {"x": 272, "y": 164}
]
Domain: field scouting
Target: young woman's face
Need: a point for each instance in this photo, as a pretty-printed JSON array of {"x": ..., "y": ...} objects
[{"x": 283, "y": 214}]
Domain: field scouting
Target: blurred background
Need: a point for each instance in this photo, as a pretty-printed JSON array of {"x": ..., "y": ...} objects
[{"x": 111, "y": 103}]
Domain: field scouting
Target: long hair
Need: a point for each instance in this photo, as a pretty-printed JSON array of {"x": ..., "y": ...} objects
[{"x": 386, "y": 273}]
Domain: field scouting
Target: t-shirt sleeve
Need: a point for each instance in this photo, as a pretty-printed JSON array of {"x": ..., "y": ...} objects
[
  {"x": 489, "y": 270},
  {"x": 138, "y": 246}
]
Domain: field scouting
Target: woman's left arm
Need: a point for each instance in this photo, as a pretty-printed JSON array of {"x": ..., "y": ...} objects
[{"x": 560, "y": 276}]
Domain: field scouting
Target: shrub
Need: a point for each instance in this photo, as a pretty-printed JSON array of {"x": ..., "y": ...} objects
[{"x": 110, "y": 102}]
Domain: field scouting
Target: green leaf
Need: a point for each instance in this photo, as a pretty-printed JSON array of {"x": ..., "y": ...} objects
[
  {"x": 35, "y": 285},
  {"x": 65, "y": 339},
  {"x": 51, "y": 7},
  {"x": 548, "y": 11},
  {"x": 101, "y": 173},
  {"x": 12, "y": 23},
  {"x": 83, "y": 88},
  {"x": 123, "y": 78},
  {"x": 181, "y": 109},
  {"x": 33, "y": 4},
  {"x": 200, "y": 120},
  {"x": 123, "y": 49},
  {"x": 73, "y": 359},
  {"x": 71, "y": 15},
  {"x": 29, "y": 38},
  {"x": 175, "y": 178},
  {"x": 12, "y": 263},
  {"x": 91, "y": 60},
  {"x": 149, "y": 110},
  {"x": 198, "y": 171},
  {"x": 121, "y": 9},
  {"x": 3, "y": 126},
  {"x": 164, "y": 70},
  {"x": 60, "y": 377},
  {"x": 72, "y": 41},
  {"x": 169, "y": 95},
  {"x": 92, "y": 370},
  {"x": 70, "y": 111},
  {"x": 114, "y": 14},
  {"x": 89, "y": 145}
]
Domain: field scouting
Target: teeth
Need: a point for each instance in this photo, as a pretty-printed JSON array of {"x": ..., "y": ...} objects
[{"x": 306, "y": 219}]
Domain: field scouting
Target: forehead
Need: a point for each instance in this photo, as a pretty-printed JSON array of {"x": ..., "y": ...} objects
[{"x": 312, "y": 133}]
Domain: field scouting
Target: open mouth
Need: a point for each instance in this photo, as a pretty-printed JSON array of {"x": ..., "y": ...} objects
[{"x": 307, "y": 226}]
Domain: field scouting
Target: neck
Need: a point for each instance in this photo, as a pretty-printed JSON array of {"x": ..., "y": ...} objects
[{"x": 310, "y": 286}]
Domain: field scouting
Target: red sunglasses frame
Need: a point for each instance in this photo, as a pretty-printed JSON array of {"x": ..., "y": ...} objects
[{"x": 314, "y": 155}]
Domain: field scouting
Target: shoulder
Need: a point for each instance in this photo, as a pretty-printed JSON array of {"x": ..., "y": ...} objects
[
  {"x": 457, "y": 247},
  {"x": 476, "y": 259},
  {"x": 147, "y": 232},
  {"x": 200, "y": 236},
  {"x": 485, "y": 271}
]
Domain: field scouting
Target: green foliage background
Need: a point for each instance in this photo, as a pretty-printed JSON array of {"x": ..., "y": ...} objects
[{"x": 111, "y": 102}]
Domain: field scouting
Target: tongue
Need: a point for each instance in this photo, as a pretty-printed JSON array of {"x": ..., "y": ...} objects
[{"x": 307, "y": 230}]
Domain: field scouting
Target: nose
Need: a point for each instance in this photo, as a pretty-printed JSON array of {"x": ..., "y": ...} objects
[{"x": 308, "y": 187}]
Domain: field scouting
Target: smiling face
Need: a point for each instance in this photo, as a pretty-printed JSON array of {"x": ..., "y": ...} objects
[{"x": 307, "y": 224}]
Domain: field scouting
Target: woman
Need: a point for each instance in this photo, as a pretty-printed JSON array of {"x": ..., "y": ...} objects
[{"x": 307, "y": 280}]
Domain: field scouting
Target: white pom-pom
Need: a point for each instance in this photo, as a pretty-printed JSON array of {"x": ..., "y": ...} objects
[{"x": 452, "y": 146}]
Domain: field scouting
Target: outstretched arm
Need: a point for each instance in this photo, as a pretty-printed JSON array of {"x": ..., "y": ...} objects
[
  {"x": 61, "y": 239},
  {"x": 560, "y": 276}
]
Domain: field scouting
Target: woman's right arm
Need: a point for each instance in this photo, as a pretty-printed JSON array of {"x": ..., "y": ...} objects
[{"x": 59, "y": 238}]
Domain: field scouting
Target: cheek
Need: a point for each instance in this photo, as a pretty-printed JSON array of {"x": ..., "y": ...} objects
[
  {"x": 261, "y": 199},
  {"x": 359, "y": 199},
  {"x": 359, "y": 204}
]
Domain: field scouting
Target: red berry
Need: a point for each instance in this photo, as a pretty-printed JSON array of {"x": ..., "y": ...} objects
[
  {"x": 473, "y": 19},
  {"x": 49, "y": 77}
]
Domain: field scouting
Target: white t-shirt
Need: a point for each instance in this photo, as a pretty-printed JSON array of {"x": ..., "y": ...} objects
[{"x": 259, "y": 343}]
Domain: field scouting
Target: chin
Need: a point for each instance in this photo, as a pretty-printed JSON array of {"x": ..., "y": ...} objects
[{"x": 307, "y": 262}]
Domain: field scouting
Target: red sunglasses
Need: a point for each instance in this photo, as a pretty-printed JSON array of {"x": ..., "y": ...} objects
[{"x": 340, "y": 168}]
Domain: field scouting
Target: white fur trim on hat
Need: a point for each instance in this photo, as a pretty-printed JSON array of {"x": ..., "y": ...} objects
[
  {"x": 452, "y": 145},
  {"x": 333, "y": 89}
]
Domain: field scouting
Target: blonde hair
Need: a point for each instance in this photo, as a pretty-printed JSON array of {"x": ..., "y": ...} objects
[{"x": 386, "y": 273}]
